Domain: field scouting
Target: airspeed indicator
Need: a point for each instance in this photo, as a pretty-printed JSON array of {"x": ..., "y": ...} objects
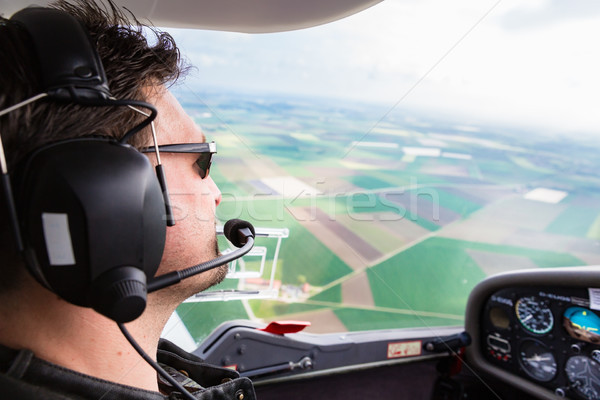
[{"x": 534, "y": 315}]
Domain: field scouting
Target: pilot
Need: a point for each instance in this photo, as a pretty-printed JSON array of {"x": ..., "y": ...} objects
[{"x": 51, "y": 348}]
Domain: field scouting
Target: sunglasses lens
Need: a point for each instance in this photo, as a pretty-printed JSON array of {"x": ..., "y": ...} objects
[{"x": 203, "y": 162}]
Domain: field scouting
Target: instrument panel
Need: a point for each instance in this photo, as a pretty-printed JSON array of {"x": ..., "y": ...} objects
[
  {"x": 543, "y": 338},
  {"x": 548, "y": 335}
]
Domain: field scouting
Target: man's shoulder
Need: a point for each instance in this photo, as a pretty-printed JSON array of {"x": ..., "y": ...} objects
[{"x": 24, "y": 376}]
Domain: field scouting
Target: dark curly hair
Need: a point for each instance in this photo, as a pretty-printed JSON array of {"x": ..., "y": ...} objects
[{"x": 132, "y": 64}]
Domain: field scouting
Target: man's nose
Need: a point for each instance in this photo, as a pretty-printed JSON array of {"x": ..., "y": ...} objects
[{"x": 214, "y": 189}]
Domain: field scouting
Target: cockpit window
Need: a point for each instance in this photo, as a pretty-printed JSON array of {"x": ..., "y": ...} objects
[{"x": 397, "y": 158}]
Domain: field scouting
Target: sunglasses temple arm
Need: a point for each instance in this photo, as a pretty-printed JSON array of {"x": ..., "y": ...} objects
[{"x": 160, "y": 174}]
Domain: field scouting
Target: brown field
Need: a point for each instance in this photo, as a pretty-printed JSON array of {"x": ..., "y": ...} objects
[
  {"x": 449, "y": 170},
  {"x": 422, "y": 204},
  {"x": 357, "y": 291},
  {"x": 322, "y": 321},
  {"x": 552, "y": 242},
  {"x": 351, "y": 248},
  {"x": 493, "y": 263},
  {"x": 249, "y": 168},
  {"x": 386, "y": 231},
  {"x": 524, "y": 214},
  {"x": 479, "y": 229}
]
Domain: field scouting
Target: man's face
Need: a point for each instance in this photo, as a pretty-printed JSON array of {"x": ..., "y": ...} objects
[{"x": 192, "y": 240}]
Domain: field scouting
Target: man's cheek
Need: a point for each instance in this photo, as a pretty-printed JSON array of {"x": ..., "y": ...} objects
[
  {"x": 203, "y": 213},
  {"x": 182, "y": 205},
  {"x": 199, "y": 206}
]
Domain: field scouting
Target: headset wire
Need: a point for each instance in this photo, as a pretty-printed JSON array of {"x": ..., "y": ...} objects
[{"x": 154, "y": 364}]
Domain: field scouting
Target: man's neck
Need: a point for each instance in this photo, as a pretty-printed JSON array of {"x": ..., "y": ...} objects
[{"x": 81, "y": 339}]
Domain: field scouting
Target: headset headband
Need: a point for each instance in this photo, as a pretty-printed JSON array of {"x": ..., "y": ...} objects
[{"x": 70, "y": 67}]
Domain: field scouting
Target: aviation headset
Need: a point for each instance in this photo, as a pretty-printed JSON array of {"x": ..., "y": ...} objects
[{"x": 90, "y": 214}]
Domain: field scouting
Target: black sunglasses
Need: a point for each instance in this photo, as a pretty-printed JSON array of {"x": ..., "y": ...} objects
[{"x": 204, "y": 151}]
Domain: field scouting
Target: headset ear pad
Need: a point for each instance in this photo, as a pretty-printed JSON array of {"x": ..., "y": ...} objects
[{"x": 93, "y": 218}]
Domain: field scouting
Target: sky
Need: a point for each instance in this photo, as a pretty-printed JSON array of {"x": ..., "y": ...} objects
[{"x": 533, "y": 64}]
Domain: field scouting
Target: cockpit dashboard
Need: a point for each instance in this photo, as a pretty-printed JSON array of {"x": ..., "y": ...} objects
[{"x": 539, "y": 330}]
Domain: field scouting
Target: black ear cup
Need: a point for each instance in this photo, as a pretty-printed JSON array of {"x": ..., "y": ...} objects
[
  {"x": 93, "y": 219},
  {"x": 90, "y": 211}
]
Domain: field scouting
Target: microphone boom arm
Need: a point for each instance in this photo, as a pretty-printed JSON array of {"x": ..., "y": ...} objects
[{"x": 176, "y": 276}]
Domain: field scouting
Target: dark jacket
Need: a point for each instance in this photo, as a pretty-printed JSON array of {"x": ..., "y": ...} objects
[{"x": 23, "y": 377}]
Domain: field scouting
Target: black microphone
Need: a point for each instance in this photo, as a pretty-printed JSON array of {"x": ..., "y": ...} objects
[
  {"x": 244, "y": 230},
  {"x": 239, "y": 232}
]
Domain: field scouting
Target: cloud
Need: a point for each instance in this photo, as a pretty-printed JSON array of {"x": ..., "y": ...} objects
[
  {"x": 436, "y": 56},
  {"x": 534, "y": 15}
]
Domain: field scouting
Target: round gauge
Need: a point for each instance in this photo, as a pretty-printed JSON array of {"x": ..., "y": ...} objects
[
  {"x": 534, "y": 315},
  {"x": 537, "y": 360},
  {"x": 584, "y": 373}
]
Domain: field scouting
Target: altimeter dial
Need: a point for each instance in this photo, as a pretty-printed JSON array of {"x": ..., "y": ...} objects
[{"x": 534, "y": 314}]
